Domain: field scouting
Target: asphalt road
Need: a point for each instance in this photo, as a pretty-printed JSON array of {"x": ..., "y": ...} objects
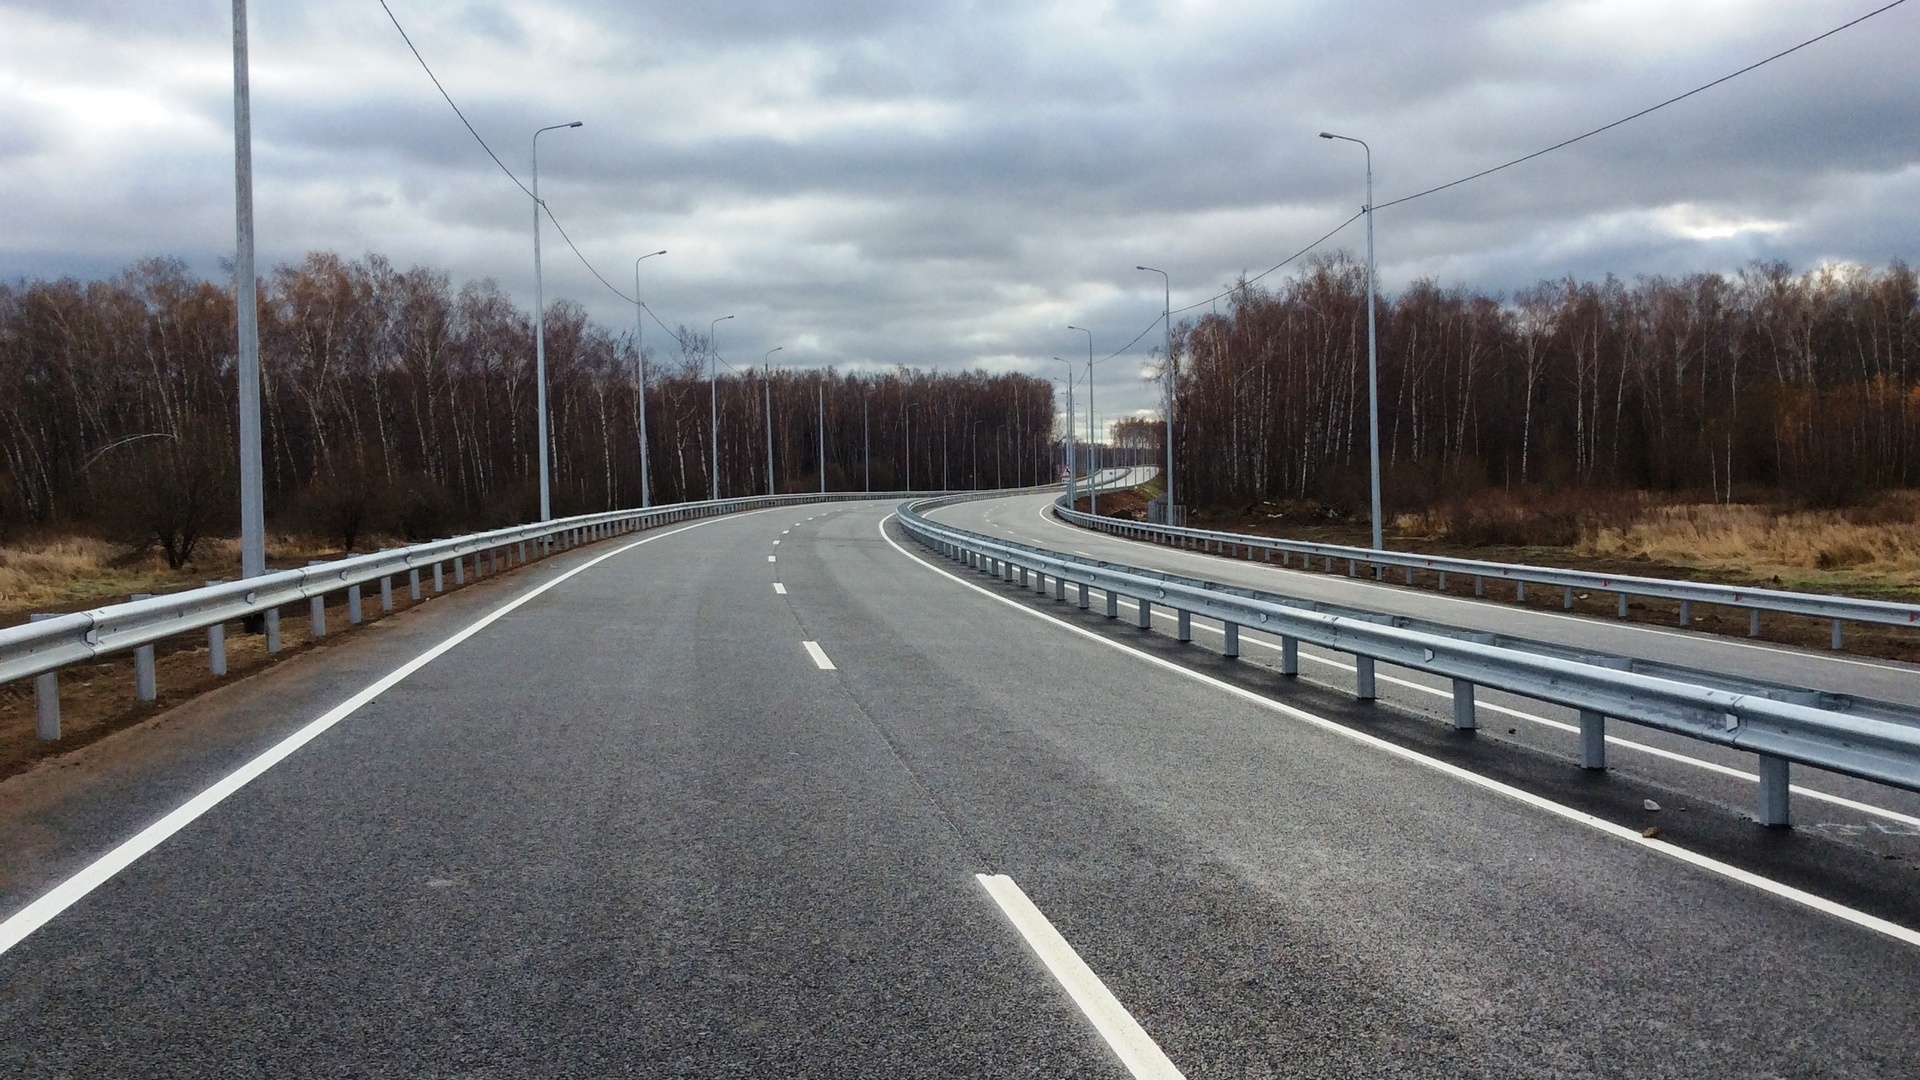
[{"x": 636, "y": 826}]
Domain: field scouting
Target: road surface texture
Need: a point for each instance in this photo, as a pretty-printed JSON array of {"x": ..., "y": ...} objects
[{"x": 718, "y": 801}]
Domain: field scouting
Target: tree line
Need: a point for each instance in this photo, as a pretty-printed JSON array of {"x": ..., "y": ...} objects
[
  {"x": 1766, "y": 383},
  {"x": 395, "y": 402}
]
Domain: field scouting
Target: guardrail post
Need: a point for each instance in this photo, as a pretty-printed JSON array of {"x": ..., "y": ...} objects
[
  {"x": 353, "y": 605},
  {"x": 1443, "y": 581},
  {"x": 1143, "y": 614},
  {"x": 1593, "y": 740},
  {"x": 1059, "y": 587},
  {"x": 1230, "y": 647},
  {"x": 386, "y": 593},
  {"x": 273, "y": 630},
  {"x": 1353, "y": 568},
  {"x": 1183, "y": 631},
  {"x": 1774, "y": 809},
  {"x": 459, "y": 569},
  {"x": 413, "y": 584},
  {"x": 523, "y": 553},
  {"x": 1753, "y": 623},
  {"x": 1289, "y": 655},
  {"x": 1686, "y": 612},
  {"x": 1479, "y": 586},
  {"x": 1363, "y": 678},
  {"x": 1836, "y": 633},
  {"x": 1409, "y": 575},
  {"x": 439, "y": 580},
  {"x": 1520, "y": 592},
  {"x": 217, "y": 645},
  {"x": 46, "y": 698},
  {"x": 145, "y": 687},
  {"x": 1464, "y": 716},
  {"x": 1623, "y": 605},
  {"x": 1083, "y": 598},
  {"x": 1113, "y": 604},
  {"x": 1567, "y": 603}
]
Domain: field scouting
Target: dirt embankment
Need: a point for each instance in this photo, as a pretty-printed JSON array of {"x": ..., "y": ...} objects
[{"x": 97, "y": 699}]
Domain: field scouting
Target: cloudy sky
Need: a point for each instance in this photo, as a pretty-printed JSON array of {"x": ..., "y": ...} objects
[{"x": 953, "y": 183}]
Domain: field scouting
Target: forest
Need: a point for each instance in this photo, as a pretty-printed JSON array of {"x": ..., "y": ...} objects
[
  {"x": 397, "y": 404},
  {"x": 1763, "y": 385}
]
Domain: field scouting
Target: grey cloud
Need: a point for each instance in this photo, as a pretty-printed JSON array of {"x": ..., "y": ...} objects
[{"x": 991, "y": 171}]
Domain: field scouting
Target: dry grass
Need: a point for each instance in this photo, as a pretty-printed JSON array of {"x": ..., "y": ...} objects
[
  {"x": 1879, "y": 545},
  {"x": 68, "y": 573}
]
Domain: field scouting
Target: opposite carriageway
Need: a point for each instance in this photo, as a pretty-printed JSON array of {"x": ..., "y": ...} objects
[{"x": 1837, "y": 610}]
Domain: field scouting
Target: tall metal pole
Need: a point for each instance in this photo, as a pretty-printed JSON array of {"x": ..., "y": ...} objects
[
  {"x": 1093, "y": 448},
  {"x": 767, "y": 385},
  {"x": 820, "y": 422},
  {"x": 1373, "y": 361},
  {"x": 640, "y": 372},
  {"x": 1167, "y": 284},
  {"x": 713, "y": 404},
  {"x": 253, "y": 506},
  {"x": 540, "y": 327},
  {"x": 866, "y": 439},
  {"x": 1072, "y": 488}
]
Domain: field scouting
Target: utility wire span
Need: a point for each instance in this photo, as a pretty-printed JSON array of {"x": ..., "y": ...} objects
[
  {"x": 424, "y": 66},
  {"x": 1651, "y": 108},
  {"x": 1817, "y": 38}
]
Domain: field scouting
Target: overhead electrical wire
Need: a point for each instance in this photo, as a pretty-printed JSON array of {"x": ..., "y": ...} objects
[
  {"x": 1817, "y": 38},
  {"x": 471, "y": 130}
]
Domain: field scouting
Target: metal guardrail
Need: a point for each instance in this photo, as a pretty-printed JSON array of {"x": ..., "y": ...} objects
[
  {"x": 1837, "y": 609},
  {"x": 40, "y": 648},
  {"x": 1780, "y": 725}
]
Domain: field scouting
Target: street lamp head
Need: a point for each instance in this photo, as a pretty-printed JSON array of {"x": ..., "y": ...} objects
[
  {"x": 662, "y": 251},
  {"x": 575, "y": 124},
  {"x": 1326, "y": 135}
]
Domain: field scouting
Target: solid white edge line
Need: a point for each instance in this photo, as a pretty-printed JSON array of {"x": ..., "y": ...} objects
[
  {"x": 69, "y": 892},
  {"x": 819, "y": 655},
  {"x": 1566, "y": 813},
  {"x": 1642, "y": 628},
  {"x": 1612, "y": 740},
  {"x": 1129, "y": 1041},
  {"x": 779, "y": 589}
]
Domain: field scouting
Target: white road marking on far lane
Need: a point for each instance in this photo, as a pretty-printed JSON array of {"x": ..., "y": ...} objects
[
  {"x": 769, "y": 558},
  {"x": 819, "y": 655},
  {"x": 1486, "y": 783},
  {"x": 779, "y": 589},
  {"x": 1130, "y": 1042},
  {"x": 71, "y": 891},
  {"x": 776, "y": 543}
]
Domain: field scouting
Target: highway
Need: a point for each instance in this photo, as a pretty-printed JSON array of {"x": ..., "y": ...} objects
[{"x": 765, "y": 796}]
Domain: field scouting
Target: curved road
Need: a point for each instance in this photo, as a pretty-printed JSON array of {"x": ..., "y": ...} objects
[{"x": 717, "y": 801}]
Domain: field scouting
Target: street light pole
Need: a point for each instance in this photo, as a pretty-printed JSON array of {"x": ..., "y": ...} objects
[
  {"x": 640, "y": 372},
  {"x": 866, "y": 439},
  {"x": 767, "y": 385},
  {"x": 1072, "y": 488},
  {"x": 1373, "y": 363},
  {"x": 820, "y": 421},
  {"x": 1167, "y": 283},
  {"x": 975, "y": 436},
  {"x": 1093, "y": 448},
  {"x": 540, "y": 326},
  {"x": 253, "y": 515},
  {"x": 713, "y": 404}
]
